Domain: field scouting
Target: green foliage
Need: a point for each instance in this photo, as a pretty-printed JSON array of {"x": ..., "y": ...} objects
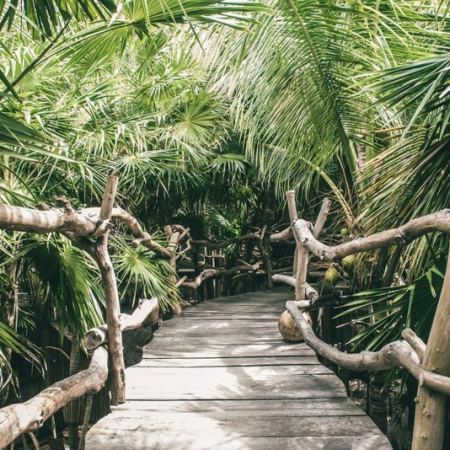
[
  {"x": 11, "y": 340},
  {"x": 70, "y": 292},
  {"x": 141, "y": 275},
  {"x": 388, "y": 311},
  {"x": 350, "y": 99}
]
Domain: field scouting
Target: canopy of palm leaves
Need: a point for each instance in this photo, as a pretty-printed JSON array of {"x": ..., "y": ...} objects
[{"x": 344, "y": 99}]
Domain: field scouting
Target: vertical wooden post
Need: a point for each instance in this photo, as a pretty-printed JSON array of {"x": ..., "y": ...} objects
[
  {"x": 109, "y": 281},
  {"x": 301, "y": 254},
  {"x": 264, "y": 250},
  {"x": 292, "y": 208},
  {"x": 429, "y": 423},
  {"x": 322, "y": 217}
]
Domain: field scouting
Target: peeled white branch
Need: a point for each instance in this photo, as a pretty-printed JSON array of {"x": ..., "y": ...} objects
[
  {"x": 303, "y": 304},
  {"x": 98, "y": 335},
  {"x": 282, "y": 235},
  {"x": 214, "y": 273},
  {"x": 109, "y": 282},
  {"x": 281, "y": 278},
  {"x": 181, "y": 281},
  {"x": 395, "y": 354},
  {"x": 435, "y": 381},
  {"x": 55, "y": 219},
  {"x": 141, "y": 237},
  {"x": 439, "y": 221},
  {"x": 322, "y": 217},
  {"x": 199, "y": 279},
  {"x": 311, "y": 293},
  {"x": 23, "y": 417},
  {"x": 415, "y": 342}
]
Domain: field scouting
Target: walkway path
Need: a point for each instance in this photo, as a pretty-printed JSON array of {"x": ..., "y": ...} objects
[{"x": 220, "y": 376}]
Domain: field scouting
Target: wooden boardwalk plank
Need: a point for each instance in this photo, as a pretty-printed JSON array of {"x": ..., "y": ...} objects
[
  {"x": 243, "y": 361},
  {"x": 221, "y": 377}
]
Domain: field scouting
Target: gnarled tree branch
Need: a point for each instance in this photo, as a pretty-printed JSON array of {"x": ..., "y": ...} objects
[
  {"x": 214, "y": 273},
  {"x": 398, "y": 353},
  {"x": 415, "y": 342},
  {"x": 109, "y": 282},
  {"x": 311, "y": 293},
  {"x": 30, "y": 415},
  {"x": 48, "y": 221},
  {"x": 98, "y": 336},
  {"x": 141, "y": 237},
  {"x": 439, "y": 221},
  {"x": 283, "y": 235},
  {"x": 395, "y": 354}
]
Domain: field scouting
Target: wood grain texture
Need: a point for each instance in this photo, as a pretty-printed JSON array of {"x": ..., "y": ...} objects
[{"x": 225, "y": 379}]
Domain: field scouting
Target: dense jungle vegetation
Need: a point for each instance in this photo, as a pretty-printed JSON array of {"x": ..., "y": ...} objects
[{"x": 209, "y": 111}]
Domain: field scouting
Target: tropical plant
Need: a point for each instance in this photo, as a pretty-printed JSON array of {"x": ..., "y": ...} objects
[{"x": 348, "y": 99}]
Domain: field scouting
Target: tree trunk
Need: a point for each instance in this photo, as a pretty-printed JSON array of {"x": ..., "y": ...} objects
[
  {"x": 429, "y": 423},
  {"x": 115, "y": 348}
]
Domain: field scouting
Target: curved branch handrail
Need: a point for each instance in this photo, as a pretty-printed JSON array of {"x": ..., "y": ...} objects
[
  {"x": 141, "y": 237},
  {"x": 310, "y": 292},
  {"x": 214, "y": 273},
  {"x": 95, "y": 337},
  {"x": 438, "y": 221},
  {"x": 20, "y": 418},
  {"x": 392, "y": 355}
]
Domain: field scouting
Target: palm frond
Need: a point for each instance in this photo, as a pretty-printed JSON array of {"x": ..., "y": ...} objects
[{"x": 395, "y": 308}]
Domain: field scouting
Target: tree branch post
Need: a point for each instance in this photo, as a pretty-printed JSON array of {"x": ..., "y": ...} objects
[
  {"x": 429, "y": 422},
  {"x": 301, "y": 254},
  {"x": 109, "y": 282}
]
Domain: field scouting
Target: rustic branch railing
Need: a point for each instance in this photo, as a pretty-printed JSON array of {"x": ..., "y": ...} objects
[
  {"x": 258, "y": 238},
  {"x": 439, "y": 221},
  {"x": 428, "y": 363},
  {"x": 89, "y": 229},
  {"x": 20, "y": 418}
]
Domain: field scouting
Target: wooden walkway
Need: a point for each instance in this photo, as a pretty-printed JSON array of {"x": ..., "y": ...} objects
[{"x": 220, "y": 376}]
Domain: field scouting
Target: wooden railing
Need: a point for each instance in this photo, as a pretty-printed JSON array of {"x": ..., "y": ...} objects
[
  {"x": 24, "y": 417},
  {"x": 428, "y": 363},
  {"x": 89, "y": 229}
]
